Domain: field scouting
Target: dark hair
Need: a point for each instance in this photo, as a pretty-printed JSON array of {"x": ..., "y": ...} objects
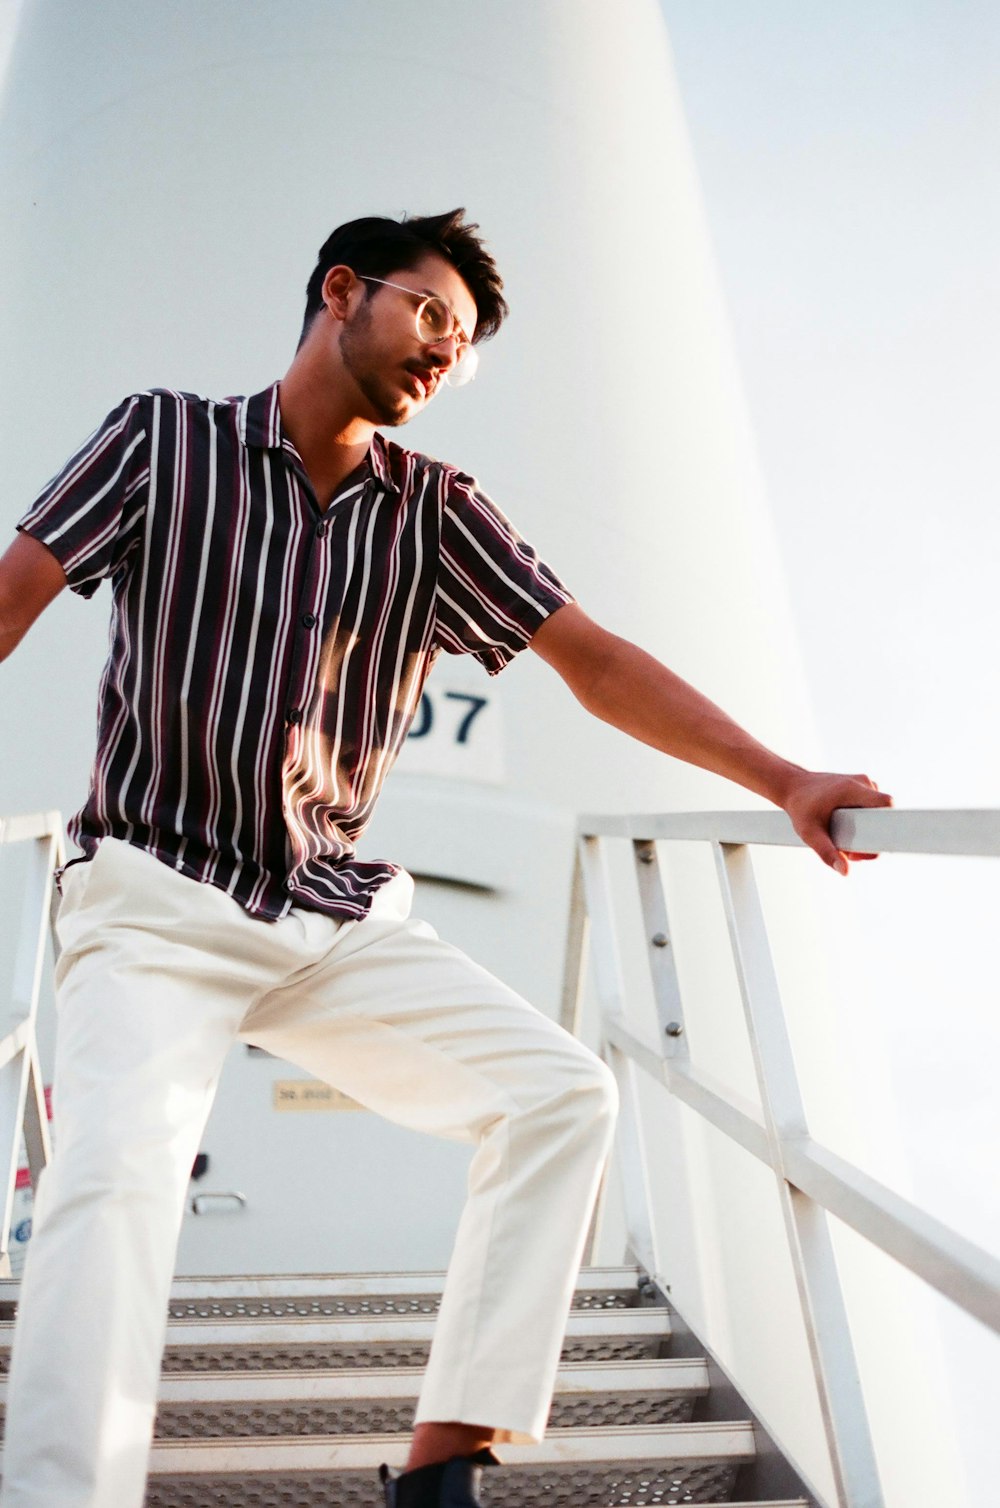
[{"x": 377, "y": 247}]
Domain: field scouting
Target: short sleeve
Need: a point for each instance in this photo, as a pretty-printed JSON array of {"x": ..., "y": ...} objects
[
  {"x": 493, "y": 591},
  {"x": 90, "y": 514}
]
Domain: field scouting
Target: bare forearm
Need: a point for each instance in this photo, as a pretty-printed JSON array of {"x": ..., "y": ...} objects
[
  {"x": 636, "y": 693},
  {"x": 12, "y": 631},
  {"x": 30, "y": 576},
  {"x": 622, "y": 684}
]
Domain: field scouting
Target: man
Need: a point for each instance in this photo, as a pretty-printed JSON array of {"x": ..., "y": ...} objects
[{"x": 283, "y": 578}]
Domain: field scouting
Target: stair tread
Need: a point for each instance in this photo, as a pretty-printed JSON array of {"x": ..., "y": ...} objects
[
  {"x": 359, "y": 1490},
  {"x": 431, "y": 1279},
  {"x": 602, "y": 1466},
  {"x": 376, "y": 1330},
  {"x": 326, "y": 1419},
  {"x": 334, "y": 1403},
  {"x": 320, "y": 1487},
  {"x": 672, "y": 1375},
  {"x": 313, "y": 1493},
  {"x": 686, "y": 1374},
  {"x": 311, "y": 1300},
  {"x": 604, "y": 1443},
  {"x": 278, "y": 1285},
  {"x": 311, "y": 1405}
]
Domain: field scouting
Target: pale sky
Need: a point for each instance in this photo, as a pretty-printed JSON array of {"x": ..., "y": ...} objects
[{"x": 849, "y": 156}]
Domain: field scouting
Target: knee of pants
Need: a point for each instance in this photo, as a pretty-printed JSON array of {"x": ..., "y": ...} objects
[
  {"x": 99, "y": 1171},
  {"x": 603, "y": 1095},
  {"x": 586, "y": 1094}
]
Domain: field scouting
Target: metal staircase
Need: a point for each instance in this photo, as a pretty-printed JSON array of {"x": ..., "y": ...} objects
[{"x": 291, "y": 1391}]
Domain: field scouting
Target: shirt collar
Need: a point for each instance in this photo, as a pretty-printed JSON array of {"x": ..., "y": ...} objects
[
  {"x": 378, "y": 460},
  {"x": 260, "y": 419},
  {"x": 259, "y": 424}
]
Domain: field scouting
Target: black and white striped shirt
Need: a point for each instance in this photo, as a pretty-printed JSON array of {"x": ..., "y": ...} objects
[{"x": 267, "y": 657}]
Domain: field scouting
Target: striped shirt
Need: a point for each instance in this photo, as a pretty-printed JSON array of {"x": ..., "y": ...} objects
[{"x": 267, "y": 657}]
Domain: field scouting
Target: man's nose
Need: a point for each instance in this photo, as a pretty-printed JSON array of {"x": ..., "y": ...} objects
[{"x": 445, "y": 351}]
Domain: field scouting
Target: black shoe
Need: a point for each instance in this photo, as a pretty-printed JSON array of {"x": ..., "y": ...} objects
[{"x": 443, "y": 1484}]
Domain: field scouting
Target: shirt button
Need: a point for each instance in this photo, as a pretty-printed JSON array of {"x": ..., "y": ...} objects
[
  {"x": 295, "y": 715},
  {"x": 309, "y": 620},
  {"x": 320, "y": 531}
]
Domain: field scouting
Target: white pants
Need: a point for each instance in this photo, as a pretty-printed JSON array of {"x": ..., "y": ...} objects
[{"x": 159, "y": 975}]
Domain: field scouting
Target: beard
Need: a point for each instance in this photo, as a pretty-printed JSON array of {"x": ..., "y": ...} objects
[{"x": 388, "y": 403}]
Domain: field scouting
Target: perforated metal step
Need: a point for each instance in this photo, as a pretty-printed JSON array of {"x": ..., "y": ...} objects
[
  {"x": 355, "y": 1490},
  {"x": 389, "y": 1340},
  {"x": 644, "y": 1393},
  {"x": 672, "y": 1464},
  {"x": 375, "y": 1294},
  {"x": 197, "y": 1298},
  {"x": 347, "y": 1403},
  {"x": 331, "y": 1344},
  {"x": 254, "y": 1306},
  {"x": 291, "y": 1391},
  {"x": 196, "y": 1421},
  {"x": 686, "y": 1375},
  {"x": 358, "y": 1490}
]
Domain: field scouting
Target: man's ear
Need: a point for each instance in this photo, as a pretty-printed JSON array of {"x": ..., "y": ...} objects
[{"x": 338, "y": 285}]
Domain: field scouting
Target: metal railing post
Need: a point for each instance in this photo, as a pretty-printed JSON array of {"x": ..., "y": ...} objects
[
  {"x": 577, "y": 943},
  {"x": 814, "y": 1263},
  {"x": 22, "y": 1098},
  {"x": 629, "y": 1141},
  {"x": 660, "y": 952}
]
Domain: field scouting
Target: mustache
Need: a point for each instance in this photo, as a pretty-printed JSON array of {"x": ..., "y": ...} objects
[{"x": 428, "y": 373}]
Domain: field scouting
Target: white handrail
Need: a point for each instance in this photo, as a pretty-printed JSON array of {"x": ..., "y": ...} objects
[
  {"x": 813, "y": 1182},
  {"x": 960, "y": 832}
]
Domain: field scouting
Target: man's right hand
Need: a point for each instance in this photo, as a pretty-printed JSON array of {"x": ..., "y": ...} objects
[{"x": 813, "y": 797}]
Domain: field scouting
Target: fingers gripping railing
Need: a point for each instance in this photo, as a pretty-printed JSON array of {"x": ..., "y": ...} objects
[
  {"x": 812, "y": 1180},
  {"x": 22, "y": 1097}
]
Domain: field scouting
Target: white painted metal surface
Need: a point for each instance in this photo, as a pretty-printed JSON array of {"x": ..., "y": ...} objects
[
  {"x": 677, "y": 1377},
  {"x": 838, "y": 1385},
  {"x": 640, "y": 1242},
  {"x": 690, "y": 1443},
  {"x": 376, "y": 1329},
  {"x": 611, "y": 427},
  {"x": 684, "y": 1377},
  {"x": 22, "y": 1098}
]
